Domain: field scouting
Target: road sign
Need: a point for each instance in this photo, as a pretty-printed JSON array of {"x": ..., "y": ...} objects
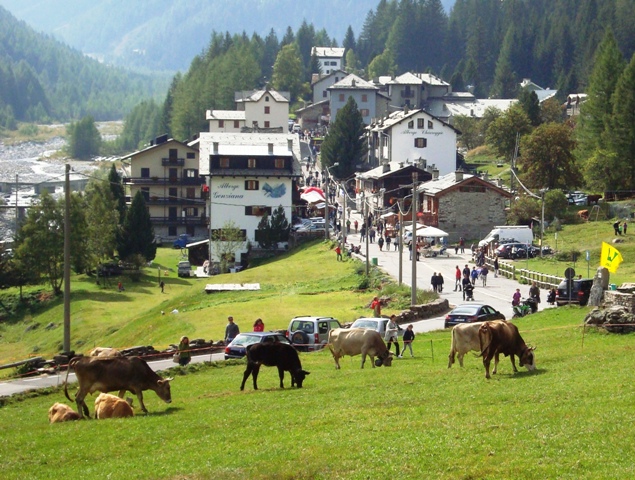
[{"x": 569, "y": 273}]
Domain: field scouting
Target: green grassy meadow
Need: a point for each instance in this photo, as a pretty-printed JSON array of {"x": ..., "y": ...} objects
[{"x": 571, "y": 419}]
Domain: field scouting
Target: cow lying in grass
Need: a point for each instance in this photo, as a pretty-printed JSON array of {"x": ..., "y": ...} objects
[
  {"x": 110, "y": 406},
  {"x": 60, "y": 412},
  {"x": 275, "y": 354}
]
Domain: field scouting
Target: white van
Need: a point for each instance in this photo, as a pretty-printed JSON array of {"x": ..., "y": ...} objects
[{"x": 517, "y": 233}]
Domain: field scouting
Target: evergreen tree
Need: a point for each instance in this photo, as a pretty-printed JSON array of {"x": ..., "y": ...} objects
[
  {"x": 138, "y": 233},
  {"x": 528, "y": 100},
  {"x": 403, "y": 30},
  {"x": 84, "y": 140},
  {"x": 621, "y": 132},
  {"x": 166, "y": 109},
  {"x": 505, "y": 81},
  {"x": 595, "y": 113},
  {"x": 345, "y": 143},
  {"x": 102, "y": 221},
  {"x": 118, "y": 194},
  {"x": 305, "y": 39},
  {"x": 274, "y": 229},
  {"x": 270, "y": 51},
  {"x": 315, "y": 65},
  {"x": 349, "y": 39},
  {"x": 288, "y": 39}
]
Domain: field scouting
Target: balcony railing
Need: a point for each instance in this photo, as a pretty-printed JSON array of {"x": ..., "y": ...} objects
[
  {"x": 156, "y": 200},
  {"x": 409, "y": 94},
  {"x": 164, "y": 180},
  {"x": 173, "y": 162},
  {"x": 200, "y": 220}
]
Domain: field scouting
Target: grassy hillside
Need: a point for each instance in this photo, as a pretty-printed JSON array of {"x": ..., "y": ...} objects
[
  {"x": 307, "y": 281},
  {"x": 571, "y": 419}
]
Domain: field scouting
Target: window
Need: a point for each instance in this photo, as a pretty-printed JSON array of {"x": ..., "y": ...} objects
[
  {"x": 251, "y": 163},
  {"x": 430, "y": 125},
  {"x": 191, "y": 155},
  {"x": 267, "y": 109},
  {"x": 190, "y": 192},
  {"x": 221, "y": 124},
  {"x": 364, "y": 112},
  {"x": 174, "y": 153},
  {"x": 173, "y": 193},
  {"x": 421, "y": 142},
  {"x": 364, "y": 98},
  {"x": 145, "y": 173},
  {"x": 266, "y": 98},
  {"x": 279, "y": 162},
  {"x": 420, "y": 123},
  {"x": 191, "y": 212},
  {"x": 341, "y": 97},
  {"x": 236, "y": 124},
  {"x": 223, "y": 162},
  {"x": 190, "y": 173},
  {"x": 267, "y": 124},
  {"x": 324, "y": 94},
  {"x": 411, "y": 124},
  {"x": 251, "y": 184},
  {"x": 258, "y": 211},
  {"x": 145, "y": 191}
]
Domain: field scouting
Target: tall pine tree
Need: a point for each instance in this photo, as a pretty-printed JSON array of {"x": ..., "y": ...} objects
[{"x": 138, "y": 234}]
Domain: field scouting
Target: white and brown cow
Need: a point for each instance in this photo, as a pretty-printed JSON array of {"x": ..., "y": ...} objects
[
  {"x": 110, "y": 406},
  {"x": 356, "y": 341},
  {"x": 105, "y": 352},
  {"x": 465, "y": 339},
  {"x": 60, "y": 412},
  {"x": 108, "y": 374},
  {"x": 503, "y": 337}
]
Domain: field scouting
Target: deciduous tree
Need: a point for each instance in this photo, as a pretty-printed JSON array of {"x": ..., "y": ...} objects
[
  {"x": 501, "y": 133},
  {"x": 287, "y": 71}
]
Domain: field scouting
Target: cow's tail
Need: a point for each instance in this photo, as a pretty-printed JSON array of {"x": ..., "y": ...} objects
[
  {"x": 70, "y": 365},
  {"x": 484, "y": 338}
]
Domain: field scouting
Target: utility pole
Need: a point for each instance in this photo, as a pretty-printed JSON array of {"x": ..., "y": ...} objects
[
  {"x": 326, "y": 206},
  {"x": 413, "y": 295},
  {"x": 338, "y": 189},
  {"x": 366, "y": 228},
  {"x": 17, "y": 210},
  {"x": 67, "y": 260}
]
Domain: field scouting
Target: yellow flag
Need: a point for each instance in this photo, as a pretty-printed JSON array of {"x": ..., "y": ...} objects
[{"x": 610, "y": 257}]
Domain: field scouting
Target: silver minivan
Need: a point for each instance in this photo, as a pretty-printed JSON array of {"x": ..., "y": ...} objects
[
  {"x": 308, "y": 334},
  {"x": 184, "y": 269}
]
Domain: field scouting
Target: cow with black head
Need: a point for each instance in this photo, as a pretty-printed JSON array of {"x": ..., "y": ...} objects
[{"x": 274, "y": 354}]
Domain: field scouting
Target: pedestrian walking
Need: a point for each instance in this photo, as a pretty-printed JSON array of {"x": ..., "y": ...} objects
[
  {"x": 462, "y": 244},
  {"x": 338, "y": 253},
  {"x": 375, "y": 305},
  {"x": 473, "y": 275},
  {"x": 380, "y": 242},
  {"x": 433, "y": 281},
  {"x": 495, "y": 267},
  {"x": 616, "y": 227},
  {"x": 467, "y": 285},
  {"x": 625, "y": 227},
  {"x": 408, "y": 338},
  {"x": 484, "y": 272},
  {"x": 396, "y": 243},
  {"x": 516, "y": 298},
  {"x": 348, "y": 226},
  {"x": 231, "y": 330},
  {"x": 162, "y": 285},
  {"x": 388, "y": 240},
  {"x": 440, "y": 283},
  {"x": 457, "y": 279},
  {"x": 356, "y": 223},
  {"x": 391, "y": 336}
]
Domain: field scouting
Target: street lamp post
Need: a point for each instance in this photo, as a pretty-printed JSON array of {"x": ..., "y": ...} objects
[
  {"x": 413, "y": 294},
  {"x": 542, "y": 219},
  {"x": 400, "y": 237}
]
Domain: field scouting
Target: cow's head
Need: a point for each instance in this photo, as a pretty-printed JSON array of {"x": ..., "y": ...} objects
[
  {"x": 528, "y": 359},
  {"x": 299, "y": 377},
  {"x": 163, "y": 390},
  {"x": 385, "y": 360}
]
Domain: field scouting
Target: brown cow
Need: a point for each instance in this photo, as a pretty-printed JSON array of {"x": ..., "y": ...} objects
[
  {"x": 464, "y": 339},
  {"x": 107, "y": 374},
  {"x": 503, "y": 337},
  {"x": 110, "y": 406},
  {"x": 60, "y": 412},
  {"x": 355, "y": 341}
]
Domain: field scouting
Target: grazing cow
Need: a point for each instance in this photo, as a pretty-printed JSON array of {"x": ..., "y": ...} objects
[
  {"x": 503, "y": 337},
  {"x": 464, "y": 339},
  {"x": 105, "y": 352},
  {"x": 355, "y": 341},
  {"x": 275, "y": 354},
  {"x": 110, "y": 406},
  {"x": 60, "y": 412},
  {"x": 107, "y": 374}
]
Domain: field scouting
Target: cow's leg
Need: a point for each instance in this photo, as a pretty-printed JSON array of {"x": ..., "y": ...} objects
[
  {"x": 254, "y": 375},
  {"x": 281, "y": 375},
  {"x": 486, "y": 363},
  {"x": 140, "y": 397},
  {"x": 122, "y": 393},
  {"x": 461, "y": 355},
  {"x": 495, "y": 363},
  {"x": 82, "y": 408},
  {"x": 511, "y": 357},
  {"x": 364, "y": 360},
  {"x": 246, "y": 375}
]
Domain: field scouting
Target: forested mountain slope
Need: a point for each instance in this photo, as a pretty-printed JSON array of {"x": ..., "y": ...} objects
[{"x": 42, "y": 79}]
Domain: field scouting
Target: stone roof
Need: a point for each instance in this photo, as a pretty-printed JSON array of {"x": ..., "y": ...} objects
[
  {"x": 328, "y": 52},
  {"x": 256, "y": 95},
  {"x": 352, "y": 81},
  {"x": 225, "y": 115},
  {"x": 442, "y": 183}
]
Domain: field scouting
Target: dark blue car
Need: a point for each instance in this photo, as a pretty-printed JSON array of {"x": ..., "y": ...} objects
[
  {"x": 182, "y": 241},
  {"x": 237, "y": 347}
]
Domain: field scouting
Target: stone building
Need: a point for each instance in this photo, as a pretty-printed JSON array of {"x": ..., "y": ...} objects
[{"x": 463, "y": 205}]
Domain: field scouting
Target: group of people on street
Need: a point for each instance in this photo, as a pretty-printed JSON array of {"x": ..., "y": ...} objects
[{"x": 392, "y": 337}]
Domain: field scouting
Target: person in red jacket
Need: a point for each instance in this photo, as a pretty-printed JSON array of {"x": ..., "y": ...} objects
[
  {"x": 259, "y": 326},
  {"x": 376, "y": 306},
  {"x": 338, "y": 252}
]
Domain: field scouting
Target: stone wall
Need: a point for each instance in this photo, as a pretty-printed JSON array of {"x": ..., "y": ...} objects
[
  {"x": 470, "y": 214},
  {"x": 421, "y": 312},
  {"x": 614, "y": 298}
]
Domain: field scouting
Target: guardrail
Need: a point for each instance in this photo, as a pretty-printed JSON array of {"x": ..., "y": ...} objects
[{"x": 509, "y": 270}]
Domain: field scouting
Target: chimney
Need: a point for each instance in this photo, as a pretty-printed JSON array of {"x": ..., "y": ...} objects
[
  {"x": 270, "y": 145},
  {"x": 215, "y": 148},
  {"x": 458, "y": 175},
  {"x": 290, "y": 144},
  {"x": 401, "y": 165},
  {"x": 405, "y": 109},
  {"x": 421, "y": 163},
  {"x": 353, "y": 82},
  {"x": 435, "y": 174},
  {"x": 486, "y": 177},
  {"x": 385, "y": 167}
]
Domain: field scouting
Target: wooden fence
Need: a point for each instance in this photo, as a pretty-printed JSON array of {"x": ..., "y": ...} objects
[{"x": 509, "y": 270}]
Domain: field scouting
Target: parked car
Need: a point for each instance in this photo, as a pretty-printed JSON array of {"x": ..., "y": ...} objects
[
  {"x": 184, "y": 269},
  {"x": 374, "y": 323},
  {"x": 311, "y": 333},
  {"x": 577, "y": 198},
  {"x": 516, "y": 250},
  {"x": 237, "y": 348},
  {"x": 183, "y": 241},
  {"x": 472, "y": 312},
  {"x": 574, "y": 291}
]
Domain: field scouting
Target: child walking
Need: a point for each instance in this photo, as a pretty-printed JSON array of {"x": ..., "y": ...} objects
[{"x": 408, "y": 337}]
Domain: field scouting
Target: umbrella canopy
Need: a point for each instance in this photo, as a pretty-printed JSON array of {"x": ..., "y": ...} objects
[
  {"x": 426, "y": 231},
  {"x": 312, "y": 195}
]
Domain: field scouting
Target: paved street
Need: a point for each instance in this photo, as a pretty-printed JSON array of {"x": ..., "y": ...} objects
[{"x": 497, "y": 293}]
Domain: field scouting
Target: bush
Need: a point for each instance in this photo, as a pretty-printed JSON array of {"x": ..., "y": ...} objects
[{"x": 568, "y": 256}]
